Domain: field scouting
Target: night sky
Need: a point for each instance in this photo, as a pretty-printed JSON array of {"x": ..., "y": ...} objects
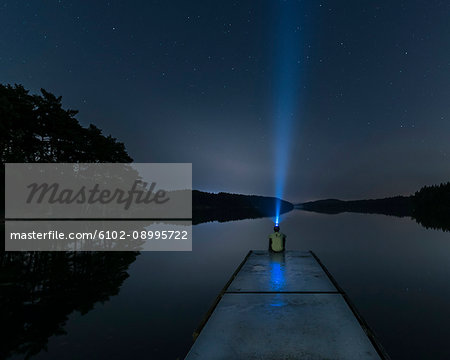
[{"x": 198, "y": 81}]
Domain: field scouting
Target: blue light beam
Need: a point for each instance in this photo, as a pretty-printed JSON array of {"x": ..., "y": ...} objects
[{"x": 287, "y": 40}]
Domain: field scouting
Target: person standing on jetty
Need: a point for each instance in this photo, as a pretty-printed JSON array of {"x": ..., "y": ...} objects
[{"x": 277, "y": 240}]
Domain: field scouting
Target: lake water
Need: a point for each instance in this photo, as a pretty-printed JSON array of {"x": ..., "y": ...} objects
[{"x": 395, "y": 272}]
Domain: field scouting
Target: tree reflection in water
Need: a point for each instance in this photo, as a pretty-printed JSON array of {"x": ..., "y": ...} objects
[{"x": 39, "y": 290}]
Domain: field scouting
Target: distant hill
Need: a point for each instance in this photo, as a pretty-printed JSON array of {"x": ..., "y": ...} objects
[
  {"x": 430, "y": 206},
  {"x": 226, "y": 207},
  {"x": 397, "y": 206}
]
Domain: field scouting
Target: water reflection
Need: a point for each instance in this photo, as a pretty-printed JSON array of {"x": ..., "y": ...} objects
[
  {"x": 39, "y": 290},
  {"x": 394, "y": 271},
  {"x": 277, "y": 268},
  {"x": 277, "y": 278}
]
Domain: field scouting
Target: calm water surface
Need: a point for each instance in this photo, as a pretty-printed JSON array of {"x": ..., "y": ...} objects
[{"x": 395, "y": 272}]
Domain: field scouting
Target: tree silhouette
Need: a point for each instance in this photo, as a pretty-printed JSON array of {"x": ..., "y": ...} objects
[
  {"x": 36, "y": 128},
  {"x": 432, "y": 206},
  {"x": 38, "y": 290}
]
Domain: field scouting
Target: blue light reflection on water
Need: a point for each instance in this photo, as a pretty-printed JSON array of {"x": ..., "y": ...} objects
[{"x": 277, "y": 278}]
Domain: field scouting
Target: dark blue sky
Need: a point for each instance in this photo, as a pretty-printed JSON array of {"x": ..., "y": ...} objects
[{"x": 195, "y": 81}]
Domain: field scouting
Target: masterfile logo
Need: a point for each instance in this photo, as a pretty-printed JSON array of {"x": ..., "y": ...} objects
[
  {"x": 98, "y": 207},
  {"x": 138, "y": 193},
  {"x": 89, "y": 191}
]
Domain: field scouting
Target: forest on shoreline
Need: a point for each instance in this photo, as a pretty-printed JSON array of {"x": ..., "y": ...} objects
[{"x": 430, "y": 206}]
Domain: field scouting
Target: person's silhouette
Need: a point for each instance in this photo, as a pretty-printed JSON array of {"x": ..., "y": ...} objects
[{"x": 277, "y": 240}]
